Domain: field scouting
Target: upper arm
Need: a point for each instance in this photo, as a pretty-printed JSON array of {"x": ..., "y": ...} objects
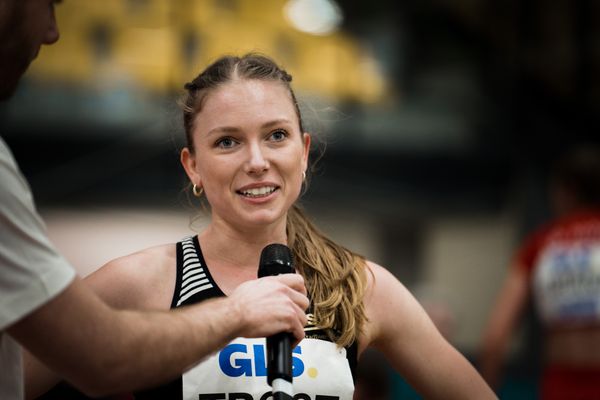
[
  {"x": 128, "y": 282},
  {"x": 57, "y": 333},
  {"x": 398, "y": 325},
  {"x": 89, "y": 343},
  {"x": 401, "y": 329},
  {"x": 509, "y": 305}
]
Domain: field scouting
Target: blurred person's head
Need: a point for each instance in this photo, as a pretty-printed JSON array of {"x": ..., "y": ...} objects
[
  {"x": 576, "y": 179},
  {"x": 25, "y": 25}
]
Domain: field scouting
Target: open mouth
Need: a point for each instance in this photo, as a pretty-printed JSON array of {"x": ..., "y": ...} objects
[{"x": 258, "y": 192}]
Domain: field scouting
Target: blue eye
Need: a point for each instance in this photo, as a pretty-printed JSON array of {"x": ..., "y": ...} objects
[
  {"x": 225, "y": 143},
  {"x": 278, "y": 135}
]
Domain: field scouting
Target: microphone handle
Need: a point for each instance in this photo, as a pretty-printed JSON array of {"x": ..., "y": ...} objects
[
  {"x": 279, "y": 360},
  {"x": 282, "y": 396}
]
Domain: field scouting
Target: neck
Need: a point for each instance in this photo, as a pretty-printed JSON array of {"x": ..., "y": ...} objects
[{"x": 239, "y": 248}]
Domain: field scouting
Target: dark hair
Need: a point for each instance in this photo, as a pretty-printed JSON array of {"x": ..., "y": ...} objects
[
  {"x": 226, "y": 69},
  {"x": 578, "y": 171}
]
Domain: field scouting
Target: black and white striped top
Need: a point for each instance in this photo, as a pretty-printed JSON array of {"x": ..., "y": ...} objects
[{"x": 193, "y": 279}]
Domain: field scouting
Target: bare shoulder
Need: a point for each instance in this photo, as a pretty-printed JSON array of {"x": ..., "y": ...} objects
[
  {"x": 141, "y": 280},
  {"x": 380, "y": 281},
  {"x": 387, "y": 301}
]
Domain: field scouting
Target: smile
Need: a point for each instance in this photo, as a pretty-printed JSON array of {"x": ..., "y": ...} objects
[{"x": 258, "y": 192}]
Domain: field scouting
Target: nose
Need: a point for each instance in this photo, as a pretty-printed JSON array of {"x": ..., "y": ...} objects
[
  {"x": 52, "y": 34},
  {"x": 256, "y": 163}
]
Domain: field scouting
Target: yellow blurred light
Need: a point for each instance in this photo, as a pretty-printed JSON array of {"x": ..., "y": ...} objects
[{"x": 317, "y": 17}]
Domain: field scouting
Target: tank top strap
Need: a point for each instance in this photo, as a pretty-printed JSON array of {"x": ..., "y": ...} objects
[{"x": 194, "y": 282}]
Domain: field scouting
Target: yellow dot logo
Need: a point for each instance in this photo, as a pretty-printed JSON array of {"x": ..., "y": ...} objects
[{"x": 312, "y": 372}]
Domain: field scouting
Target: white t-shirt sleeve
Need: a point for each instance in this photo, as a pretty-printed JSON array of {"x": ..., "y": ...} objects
[{"x": 31, "y": 270}]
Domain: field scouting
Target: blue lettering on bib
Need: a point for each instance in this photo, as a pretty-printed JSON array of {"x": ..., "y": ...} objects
[{"x": 234, "y": 361}]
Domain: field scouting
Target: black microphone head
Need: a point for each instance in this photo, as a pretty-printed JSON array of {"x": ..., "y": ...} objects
[{"x": 275, "y": 259}]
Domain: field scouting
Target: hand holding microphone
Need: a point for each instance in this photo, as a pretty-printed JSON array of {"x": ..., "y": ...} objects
[
  {"x": 264, "y": 307},
  {"x": 276, "y": 259}
]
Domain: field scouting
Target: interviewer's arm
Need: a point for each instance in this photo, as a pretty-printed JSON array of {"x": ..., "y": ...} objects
[{"x": 101, "y": 350}]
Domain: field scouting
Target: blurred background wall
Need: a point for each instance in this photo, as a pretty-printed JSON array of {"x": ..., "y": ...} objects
[{"x": 441, "y": 120}]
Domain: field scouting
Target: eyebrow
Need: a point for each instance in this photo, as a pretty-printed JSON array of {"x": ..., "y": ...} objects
[{"x": 233, "y": 129}]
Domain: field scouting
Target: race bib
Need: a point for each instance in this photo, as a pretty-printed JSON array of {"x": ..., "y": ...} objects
[
  {"x": 567, "y": 282},
  {"x": 239, "y": 371}
]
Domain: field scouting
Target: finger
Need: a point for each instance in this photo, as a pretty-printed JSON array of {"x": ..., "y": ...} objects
[
  {"x": 298, "y": 332},
  {"x": 302, "y": 317},
  {"x": 299, "y": 299},
  {"x": 298, "y": 336},
  {"x": 294, "y": 281}
]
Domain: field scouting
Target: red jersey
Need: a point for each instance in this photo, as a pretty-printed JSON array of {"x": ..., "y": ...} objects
[{"x": 562, "y": 260}]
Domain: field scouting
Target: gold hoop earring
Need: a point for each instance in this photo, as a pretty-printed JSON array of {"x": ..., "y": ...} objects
[{"x": 197, "y": 192}]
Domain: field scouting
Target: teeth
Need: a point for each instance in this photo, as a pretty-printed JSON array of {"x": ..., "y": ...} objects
[{"x": 261, "y": 191}]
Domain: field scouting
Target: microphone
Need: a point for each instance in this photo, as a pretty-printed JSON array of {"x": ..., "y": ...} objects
[{"x": 276, "y": 259}]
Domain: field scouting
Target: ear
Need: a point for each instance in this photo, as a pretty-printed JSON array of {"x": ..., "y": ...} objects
[
  {"x": 188, "y": 161},
  {"x": 306, "y": 141}
]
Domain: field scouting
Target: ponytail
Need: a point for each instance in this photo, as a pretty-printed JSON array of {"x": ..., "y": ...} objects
[{"x": 335, "y": 279}]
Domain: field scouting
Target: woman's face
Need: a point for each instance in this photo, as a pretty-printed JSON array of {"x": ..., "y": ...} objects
[{"x": 249, "y": 154}]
